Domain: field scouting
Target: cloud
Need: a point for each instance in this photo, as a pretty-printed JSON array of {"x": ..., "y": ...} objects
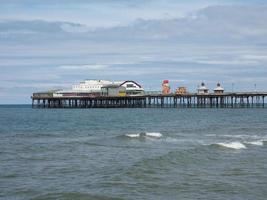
[
  {"x": 40, "y": 31},
  {"x": 83, "y": 67},
  {"x": 75, "y": 28},
  {"x": 228, "y": 62},
  {"x": 95, "y": 13},
  {"x": 212, "y": 25},
  {"x": 218, "y": 43}
]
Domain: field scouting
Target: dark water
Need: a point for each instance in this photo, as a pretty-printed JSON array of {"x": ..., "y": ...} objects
[{"x": 133, "y": 153}]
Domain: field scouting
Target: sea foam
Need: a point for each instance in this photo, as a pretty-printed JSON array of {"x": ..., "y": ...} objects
[
  {"x": 145, "y": 135},
  {"x": 233, "y": 145},
  {"x": 156, "y": 135},
  {"x": 134, "y": 135},
  {"x": 258, "y": 143}
]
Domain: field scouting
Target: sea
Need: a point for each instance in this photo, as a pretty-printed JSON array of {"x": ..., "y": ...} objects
[{"x": 133, "y": 153}]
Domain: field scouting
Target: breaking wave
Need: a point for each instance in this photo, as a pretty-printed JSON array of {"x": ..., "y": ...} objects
[
  {"x": 241, "y": 145},
  {"x": 240, "y": 141},
  {"x": 144, "y": 135},
  {"x": 258, "y": 143},
  {"x": 134, "y": 135},
  {"x": 232, "y": 145}
]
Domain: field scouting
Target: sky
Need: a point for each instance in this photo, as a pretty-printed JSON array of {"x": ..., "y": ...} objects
[{"x": 53, "y": 44}]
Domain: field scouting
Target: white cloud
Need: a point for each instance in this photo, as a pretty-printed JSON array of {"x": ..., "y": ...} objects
[
  {"x": 228, "y": 62},
  {"x": 255, "y": 57},
  {"x": 83, "y": 67}
]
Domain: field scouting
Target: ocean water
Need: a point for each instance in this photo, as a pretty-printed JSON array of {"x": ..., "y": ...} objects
[{"x": 133, "y": 153}]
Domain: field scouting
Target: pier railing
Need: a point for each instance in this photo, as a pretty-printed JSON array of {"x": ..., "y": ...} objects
[{"x": 190, "y": 100}]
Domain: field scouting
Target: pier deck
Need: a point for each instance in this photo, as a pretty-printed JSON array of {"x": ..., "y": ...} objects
[{"x": 190, "y": 100}]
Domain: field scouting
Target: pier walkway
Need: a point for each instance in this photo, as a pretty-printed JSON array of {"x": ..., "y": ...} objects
[{"x": 190, "y": 100}]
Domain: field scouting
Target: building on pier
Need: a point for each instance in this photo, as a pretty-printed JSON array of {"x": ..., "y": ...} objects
[
  {"x": 94, "y": 86},
  {"x": 47, "y": 94},
  {"x": 166, "y": 89},
  {"x": 132, "y": 87},
  {"x": 72, "y": 93},
  {"x": 202, "y": 89},
  {"x": 181, "y": 90},
  {"x": 91, "y": 86},
  {"x": 113, "y": 90},
  {"x": 218, "y": 89}
]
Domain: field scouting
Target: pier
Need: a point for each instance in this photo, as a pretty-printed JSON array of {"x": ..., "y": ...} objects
[{"x": 189, "y": 100}]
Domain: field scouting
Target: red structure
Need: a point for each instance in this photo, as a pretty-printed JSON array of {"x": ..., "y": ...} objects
[{"x": 166, "y": 87}]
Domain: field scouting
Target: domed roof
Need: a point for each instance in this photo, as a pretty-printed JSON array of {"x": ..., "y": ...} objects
[
  {"x": 219, "y": 88},
  {"x": 202, "y": 87}
]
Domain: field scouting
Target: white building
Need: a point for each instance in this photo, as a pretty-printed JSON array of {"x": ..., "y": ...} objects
[
  {"x": 218, "y": 89},
  {"x": 113, "y": 90},
  {"x": 202, "y": 89},
  {"x": 132, "y": 88},
  {"x": 93, "y": 86}
]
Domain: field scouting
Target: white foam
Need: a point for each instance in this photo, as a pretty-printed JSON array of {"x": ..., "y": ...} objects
[
  {"x": 144, "y": 135},
  {"x": 156, "y": 135},
  {"x": 136, "y": 135},
  {"x": 233, "y": 145},
  {"x": 258, "y": 143}
]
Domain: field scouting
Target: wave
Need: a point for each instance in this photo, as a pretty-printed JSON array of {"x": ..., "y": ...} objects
[
  {"x": 238, "y": 136},
  {"x": 242, "y": 140},
  {"x": 74, "y": 195},
  {"x": 157, "y": 135},
  {"x": 258, "y": 143},
  {"x": 242, "y": 136},
  {"x": 135, "y": 135},
  {"x": 144, "y": 135},
  {"x": 232, "y": 145}
]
